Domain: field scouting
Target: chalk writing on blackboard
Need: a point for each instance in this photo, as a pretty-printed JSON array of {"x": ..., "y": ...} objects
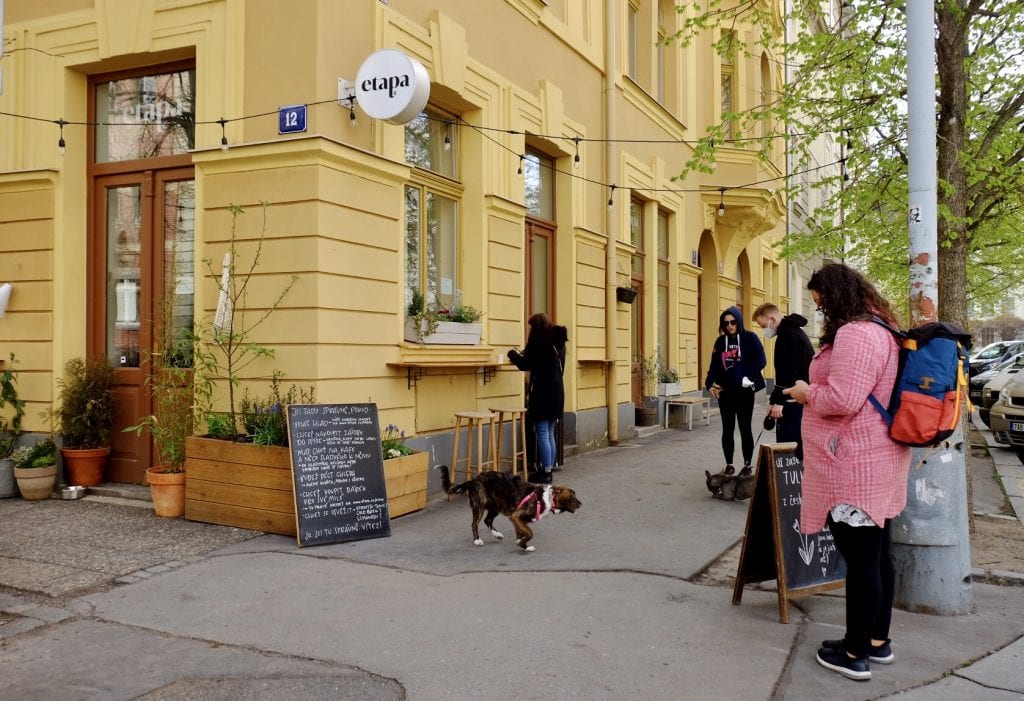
[
  {"x": 338, "y": 472},
  {"x": 773, "y": 546}
]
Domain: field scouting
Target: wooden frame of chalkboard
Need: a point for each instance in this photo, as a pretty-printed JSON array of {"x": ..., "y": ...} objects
[
  {"x": 338, "y": 473},
  {"x": 773, "y": 547}
]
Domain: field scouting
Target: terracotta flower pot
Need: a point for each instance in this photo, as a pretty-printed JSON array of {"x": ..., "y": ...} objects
[
  {"x": 84, "y": 466},
  {"x": 168, "y": 491},
  {"x": 35, "y": 482}
]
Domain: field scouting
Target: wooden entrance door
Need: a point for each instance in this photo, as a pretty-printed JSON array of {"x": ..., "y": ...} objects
[
  {"x": 540, "y": 268},
  {"x": 141, "y": 281}
]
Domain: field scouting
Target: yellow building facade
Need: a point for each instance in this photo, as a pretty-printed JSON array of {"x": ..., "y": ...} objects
[{"x": 114, "y": 185}]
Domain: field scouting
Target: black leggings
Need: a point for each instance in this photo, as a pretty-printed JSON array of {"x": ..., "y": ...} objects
[
  {"x": 737, "y": 404},
  {"x": 870, "y": 583}
]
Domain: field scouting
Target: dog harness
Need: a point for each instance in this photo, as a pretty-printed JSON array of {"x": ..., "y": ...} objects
[{"x": 544, "y": 496}]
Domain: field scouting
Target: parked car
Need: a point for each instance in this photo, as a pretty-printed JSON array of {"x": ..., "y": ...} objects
[
  {"x": 990, "y": 382},
  {"x": 1007, "y": 415},
  {"x": 993, "y": 354}
]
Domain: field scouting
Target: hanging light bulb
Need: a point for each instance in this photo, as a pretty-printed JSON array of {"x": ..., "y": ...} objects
[
  {"x": 223, "y": 134},
  {"x": 448, "y": 137},
  {"x": 611, "y": 196},
  {"x": 721, "y": 202},
  {"x": 352, "y": 111},
  {"x": 576, "y": 158},
  {"x": 519, "y": 170},
  {"x": 61, "y": 146}
]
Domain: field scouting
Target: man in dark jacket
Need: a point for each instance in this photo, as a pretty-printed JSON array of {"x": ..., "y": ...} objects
[
  {"x": 734, "y": 375},
  {"x": 793, "y": 353}
]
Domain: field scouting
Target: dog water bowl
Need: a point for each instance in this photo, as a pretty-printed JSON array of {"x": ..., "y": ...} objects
[{"x": 73, "y": 492}]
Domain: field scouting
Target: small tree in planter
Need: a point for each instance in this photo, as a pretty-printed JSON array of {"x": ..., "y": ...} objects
[
  {"x": 647, "y": 413},
  {"x": 85, "y": 413},
  {"x": 229, "y": 333}
]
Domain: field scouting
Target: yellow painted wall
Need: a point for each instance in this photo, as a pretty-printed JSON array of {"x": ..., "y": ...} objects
[{"x": 335, "y": 199}]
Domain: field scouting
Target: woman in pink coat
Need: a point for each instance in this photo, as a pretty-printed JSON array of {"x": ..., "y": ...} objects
[{"x": 855, "y": 476}]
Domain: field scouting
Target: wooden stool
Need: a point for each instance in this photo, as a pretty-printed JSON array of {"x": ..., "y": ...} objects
[
  {"x": 474, "y": 420},
  {"x": 517, "y": 460}
]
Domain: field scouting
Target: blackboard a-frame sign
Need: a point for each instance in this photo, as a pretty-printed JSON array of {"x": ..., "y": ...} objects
[
  {"x": 338, "y": 473},
  {"x": 773, "y": 547}
]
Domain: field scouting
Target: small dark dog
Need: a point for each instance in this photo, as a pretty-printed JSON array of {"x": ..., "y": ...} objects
[
  {"x": 521, "y": 502},
  {"x": 730, "y": 487}
]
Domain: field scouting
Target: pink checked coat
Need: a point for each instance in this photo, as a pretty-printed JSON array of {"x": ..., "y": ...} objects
[{"x": 848, "y": 455}]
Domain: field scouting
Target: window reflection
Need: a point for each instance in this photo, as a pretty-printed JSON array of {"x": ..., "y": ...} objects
[
  {"x": 124, "y": 253},
  {"x": 145, "y": 116}
]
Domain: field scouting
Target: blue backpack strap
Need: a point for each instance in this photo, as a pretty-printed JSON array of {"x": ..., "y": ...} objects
[
  {"x": 881, "y": 409},
  {"x": 872, "y": 398}
]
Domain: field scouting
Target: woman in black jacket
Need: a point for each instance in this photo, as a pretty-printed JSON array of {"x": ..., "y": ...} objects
[
  {"x": 734, "y": 375},
  {"x": 544, "y": 358}
]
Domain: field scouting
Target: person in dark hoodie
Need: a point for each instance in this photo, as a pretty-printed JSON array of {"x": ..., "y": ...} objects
[
  {"x": 544, "y": 358},
  {"x": 734, "y": 376},
  {"x": 793, "y": 354}
]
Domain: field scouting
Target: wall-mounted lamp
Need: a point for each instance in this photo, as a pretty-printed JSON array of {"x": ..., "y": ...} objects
[
  {"x": 721, "y": 202},
  {"x": 5, "y": 296}
]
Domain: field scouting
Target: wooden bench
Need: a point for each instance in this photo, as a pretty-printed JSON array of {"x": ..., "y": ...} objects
[{"x": 689, "y": 404}]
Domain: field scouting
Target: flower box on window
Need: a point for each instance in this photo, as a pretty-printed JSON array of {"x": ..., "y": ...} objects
[{"x": 447, "y": 332}]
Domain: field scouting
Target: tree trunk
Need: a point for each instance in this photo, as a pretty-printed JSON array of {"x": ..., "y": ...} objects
[{"x": 951, "y": 53}]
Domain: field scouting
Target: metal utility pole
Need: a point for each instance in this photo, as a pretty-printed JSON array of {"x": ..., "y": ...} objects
[{"x": 931, "y": 546}]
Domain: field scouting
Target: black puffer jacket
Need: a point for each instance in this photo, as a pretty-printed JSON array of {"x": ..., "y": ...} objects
[
  {"x": 544, "y": 359},
  {"x": 793, "y": 353}
]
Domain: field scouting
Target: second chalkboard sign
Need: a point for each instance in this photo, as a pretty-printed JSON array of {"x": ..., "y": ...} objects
[
  {"x": 338, "y": 472},
  {"x": 773, "y": 546}
]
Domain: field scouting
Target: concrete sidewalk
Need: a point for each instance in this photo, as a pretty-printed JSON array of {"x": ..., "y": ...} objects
[{"x": 105, "y": 601}]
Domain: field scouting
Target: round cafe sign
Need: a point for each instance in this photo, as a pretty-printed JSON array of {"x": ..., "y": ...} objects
[{"x": 392, "y": 86}]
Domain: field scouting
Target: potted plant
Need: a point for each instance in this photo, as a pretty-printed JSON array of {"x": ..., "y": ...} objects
[
  {"x": 35, "y": 469},
  {"x": 647, "y": 412},
  {"x": 10, "y": 428},
  {"x": 405, "y": 472},
  {"x": 247, "y": 483},
  {"x": 668, "y": 382},
  {"x": 624, "y": 291},
  {"x": 456, "y": 324},
  {"x": 231, "y": 480},
  {"x": 172, "y": 421},
  {"x": 85, "y": 413}
]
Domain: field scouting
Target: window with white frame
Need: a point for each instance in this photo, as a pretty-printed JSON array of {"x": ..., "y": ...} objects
[{"x": 432, "y": 209}]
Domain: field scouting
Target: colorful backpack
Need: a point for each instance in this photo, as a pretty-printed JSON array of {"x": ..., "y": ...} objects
[{"x": 931, "y": 384}]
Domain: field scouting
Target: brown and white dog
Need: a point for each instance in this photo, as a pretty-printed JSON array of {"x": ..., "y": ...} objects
[{"x": 520, "y": 501}]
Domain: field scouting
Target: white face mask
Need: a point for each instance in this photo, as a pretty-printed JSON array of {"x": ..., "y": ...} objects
[
  {"x": 819, "y": 317},
  {"x": 769, "y": 332}
]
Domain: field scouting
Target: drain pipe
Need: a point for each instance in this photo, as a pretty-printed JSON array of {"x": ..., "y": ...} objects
[{"x": 611, "y": 224}]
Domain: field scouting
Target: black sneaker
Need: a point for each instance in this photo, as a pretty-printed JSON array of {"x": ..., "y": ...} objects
[
  {"x": 729, "y": 469},
  {"x": 838, "y": 661},
  {"x": 747, "y": 470},
  {"x": 882, "y": 654}
]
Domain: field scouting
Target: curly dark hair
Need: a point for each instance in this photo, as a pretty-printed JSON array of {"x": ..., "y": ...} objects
[{"x": 845, "y": 296}]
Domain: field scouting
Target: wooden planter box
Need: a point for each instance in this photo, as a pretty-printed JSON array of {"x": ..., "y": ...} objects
[
  {"x": 448, "y": 332},
  {"x": 250, "y": 486},
  {"x": 239, "y": 484},
  {"x": 405, "y": 479}
]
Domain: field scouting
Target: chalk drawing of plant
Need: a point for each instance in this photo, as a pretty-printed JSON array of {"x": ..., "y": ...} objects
[{"x": 806, "y": 548}]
